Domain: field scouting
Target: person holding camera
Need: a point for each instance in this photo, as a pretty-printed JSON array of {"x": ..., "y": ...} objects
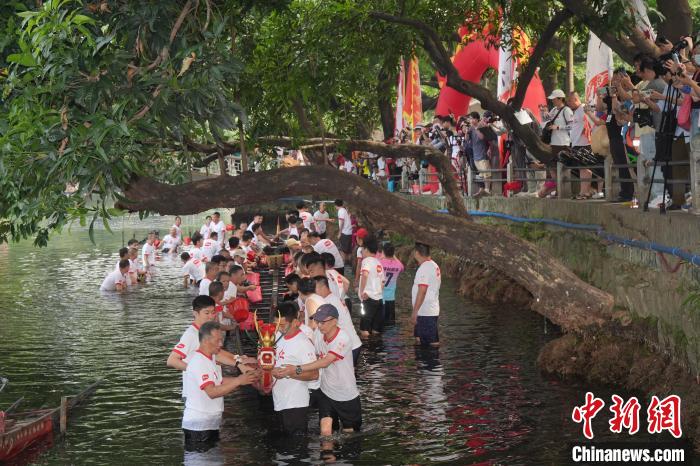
[
  {"x": 480, "y": 151},
  {"x": 647, "y": 120},
  {"x": 609, "y": 101}
]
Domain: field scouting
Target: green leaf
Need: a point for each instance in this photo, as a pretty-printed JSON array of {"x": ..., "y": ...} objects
[
  {"x": 24, "y": 59},
  {"x": 82, "y": 19}
]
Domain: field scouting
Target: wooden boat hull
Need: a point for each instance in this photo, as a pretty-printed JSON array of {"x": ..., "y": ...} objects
[
  {"x": 30, "y": 426},
  {"x": 17, "y": 440}
]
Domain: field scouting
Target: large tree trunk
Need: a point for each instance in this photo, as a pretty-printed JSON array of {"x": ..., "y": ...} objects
[
  {"x": 678, "y": 21},
  {"x": 558, "y": 294},
  {"x": 386, "y": 111},
  {"x": 442, "y": 163}
]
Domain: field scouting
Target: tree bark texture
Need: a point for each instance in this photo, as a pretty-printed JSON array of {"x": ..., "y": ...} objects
[
  {"x": 385, "y": 85},
  {"x": 678, "y": 21},
  {"x": 442, "y": 163},
  {"x": 557, "y": 293}
]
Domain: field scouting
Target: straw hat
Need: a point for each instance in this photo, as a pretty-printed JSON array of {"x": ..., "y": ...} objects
[{"x": 600, "y": 144}]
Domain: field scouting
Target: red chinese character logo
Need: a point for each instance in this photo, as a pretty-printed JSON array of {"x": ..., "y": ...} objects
[
  {"x": 665, "y": 415},
  {"x": 625, "y": 415},
  {"x": 587, "y": 412}
]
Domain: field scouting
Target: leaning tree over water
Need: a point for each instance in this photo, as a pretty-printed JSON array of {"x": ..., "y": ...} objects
[{"x": 120, "y": 99}]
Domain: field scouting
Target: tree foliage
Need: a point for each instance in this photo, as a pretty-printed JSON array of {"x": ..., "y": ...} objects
[{"x": 93, "y": 93}]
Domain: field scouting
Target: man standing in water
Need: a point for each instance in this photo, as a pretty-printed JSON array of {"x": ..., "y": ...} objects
[
  {"x": 322, "y": 218},
  {"x": 205, "y": 388},
  {"x": 219, "y": 227},
  {"x": 425, "y": 296},
  {"x": 344, "y": 230},
  {"x": 290, "y": 393},
  {"x": 340, "y": 399}
]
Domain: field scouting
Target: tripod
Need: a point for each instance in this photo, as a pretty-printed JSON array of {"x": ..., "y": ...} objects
[{"x": 664, "y": 144}]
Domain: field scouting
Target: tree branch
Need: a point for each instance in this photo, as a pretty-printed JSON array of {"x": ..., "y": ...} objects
[
  {"x": 446, "y": 174},
  {"x": 625, "y": 47},
  {"x": 533, "y": 62},
  {"x": 557, "y": 293},
  {"x": 441, "y": 59}
]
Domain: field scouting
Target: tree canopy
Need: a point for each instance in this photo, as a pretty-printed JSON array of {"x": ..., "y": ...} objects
[{"x": 98, "y": 93}]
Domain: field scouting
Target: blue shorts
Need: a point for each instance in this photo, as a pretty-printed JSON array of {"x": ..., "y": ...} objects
[{"x": 426, "y": 329}]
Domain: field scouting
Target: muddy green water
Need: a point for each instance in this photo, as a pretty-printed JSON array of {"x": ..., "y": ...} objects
[{"x": 478, "y": 399}]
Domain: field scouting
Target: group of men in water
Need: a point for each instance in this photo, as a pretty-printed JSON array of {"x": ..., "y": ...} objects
[{"x": 317, "y": 345}]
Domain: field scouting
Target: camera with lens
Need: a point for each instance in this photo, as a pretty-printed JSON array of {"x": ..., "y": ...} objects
[{"x": 672, "y": 55}]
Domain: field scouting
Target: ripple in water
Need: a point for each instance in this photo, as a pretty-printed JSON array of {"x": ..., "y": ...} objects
[{"x": 478, "y": 399}]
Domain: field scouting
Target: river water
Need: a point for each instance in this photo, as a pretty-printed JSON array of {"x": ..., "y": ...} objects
[{"x": 478, "y": 399}]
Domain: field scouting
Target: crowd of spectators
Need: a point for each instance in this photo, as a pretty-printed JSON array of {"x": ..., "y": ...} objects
[{"x": 651, "y": 113}]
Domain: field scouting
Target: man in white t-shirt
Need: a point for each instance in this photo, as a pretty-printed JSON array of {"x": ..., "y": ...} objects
[
  {"x": 425, "y": 297},
  {"x": 171, "y": 241},
  {"x": 382, "y": 170},
  {"x": 193, "y": 269},
  {"x": 196, "y": 252},
  {"x": 344, "y": 230},
  {"x": 205, "y": 388},
  {"x": 322, "y": 219},
  {"x": 178, "y": 229},
  {"x": 290, "y": 393},
  {"x": 219, "y": 227},
  {"x": 257, "y": 218},
  {"x": 206, "y": 228},
  {"x": 371, "y": 289},
  {"x": 344, "y": 318},
  {"x": 326, "y": 245},
  {"x": 338, "y": 284},
  {"x": 149, "y": 252},
  {"x": 210, "y": 246},
  {"x": 117, "y": 280},
  {"x": 306, "y": 217},
  {"x": 340, "y": 398},
  {"x": 210, "y": 272}
]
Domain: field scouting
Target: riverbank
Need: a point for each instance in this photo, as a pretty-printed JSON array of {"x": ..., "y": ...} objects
[
  {"x": 651, "y": 344},
  {"x": 615, "y": 355}
]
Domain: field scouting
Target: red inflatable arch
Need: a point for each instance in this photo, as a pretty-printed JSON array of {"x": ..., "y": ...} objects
[{"x": 472, "y": 61}]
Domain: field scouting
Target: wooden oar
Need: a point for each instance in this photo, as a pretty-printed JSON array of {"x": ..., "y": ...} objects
[{"x": 14, "y": 406}]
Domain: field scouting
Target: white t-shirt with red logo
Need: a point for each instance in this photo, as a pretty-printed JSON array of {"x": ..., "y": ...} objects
[
  {"x": 194, "y": 268},
  {"x": 335, "y": 283},
  {"x": 114, "y": 278},
  {"x": 220, "y": 229},
  {"x": 149, "y": 255},
  {"x": 202, "y": 412},
  {"x": 188, "y": 344},
  {"x": 337, "y": 380},
  {"x": 428, "y": 275},
  {"x": 345, "y": 320},
  {"x": 326, "y": 245},
  {"x": 292, "y": 350},
  {"x": 171, "y": 242},
  {"x": 210, "y": 248},
  {"x": 197, "y": 253},
  {"x": 373, "y": 270},
  {"x": 307, "y": 219}
]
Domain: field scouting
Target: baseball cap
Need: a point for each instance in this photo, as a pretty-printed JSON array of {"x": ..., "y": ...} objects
[
  {"x": 362, "y": 233},
  {"x": 557, "y": 93},
  {"x": 238, "y": 253},
  {"x": 292, "y": 242},
  {"x": 325, "y": 312}
]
